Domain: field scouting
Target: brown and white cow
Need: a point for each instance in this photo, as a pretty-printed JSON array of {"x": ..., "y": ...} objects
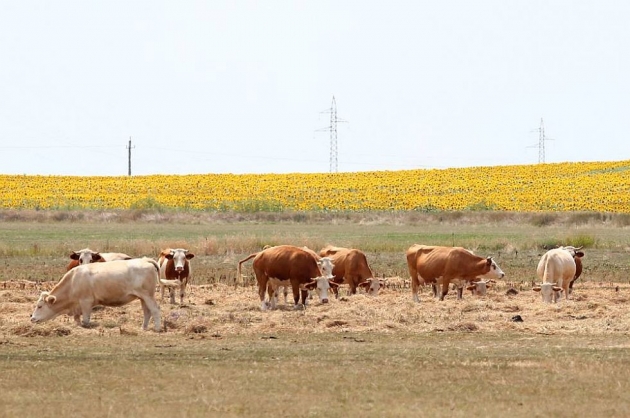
[
  {"x": 325, "y": 265},
  {"x": 577, "y": 257},
  {"x": 556, "y": 269},
  {"x": 114, "y": 283},
  {"x": 86, "y": 256},
  {"x": 441, "y": 265},
  {"x": 287, "y": 263},
  {"x": 480, "y": 287},
  {"x": 417, "y": 250},
  {"x": 175, "y": 271},
  {"x": 352, "y": 268}
]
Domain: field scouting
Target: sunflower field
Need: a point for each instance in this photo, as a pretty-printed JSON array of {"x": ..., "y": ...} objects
[{"x": 592, "y": 186}]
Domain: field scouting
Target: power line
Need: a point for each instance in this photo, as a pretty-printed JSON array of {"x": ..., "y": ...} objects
[{"x": 129, "y": 147}]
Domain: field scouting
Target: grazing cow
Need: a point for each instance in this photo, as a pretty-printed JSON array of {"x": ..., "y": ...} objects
[
  {"x": 441, "y": 265},
  {"x": 115, "y": 283},
  {"x": 86, "y": 256},
  {"x": 416, "y": 251},
  {"x": 480, "y": 287},
  {"x": 351, "y": 267},
  {"x": 326, "y": 267},
  {"x": 175, "y": 271},
  {"x": 288, "y": 263},
  {"x": 556, "y": 269}
]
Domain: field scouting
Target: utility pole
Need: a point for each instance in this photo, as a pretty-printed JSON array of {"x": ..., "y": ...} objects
[
  {"x": 541, "y": 142},
  {"x": 129, "y": 147},
  {"x": 333, "y": 135}
]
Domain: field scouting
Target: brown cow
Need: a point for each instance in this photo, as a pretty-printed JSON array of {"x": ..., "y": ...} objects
[
  {"x": 578, "y": 265},
  {"x": 175, "y": 271},
  {"x": 351, "y": 267},
  {"x": 86, "y": 256},
  {"x": 287, "y": 263},
  {"x": 442, "y": 265}
]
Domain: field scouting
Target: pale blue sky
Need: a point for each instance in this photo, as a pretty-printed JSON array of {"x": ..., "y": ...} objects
[{"x": 240, "y": 86}]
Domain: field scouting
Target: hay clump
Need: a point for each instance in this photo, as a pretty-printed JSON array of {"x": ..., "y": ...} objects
[{"x": 28, "y": 330}]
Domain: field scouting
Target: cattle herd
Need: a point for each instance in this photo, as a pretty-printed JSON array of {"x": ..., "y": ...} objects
[{"x": 115, "y": 279}]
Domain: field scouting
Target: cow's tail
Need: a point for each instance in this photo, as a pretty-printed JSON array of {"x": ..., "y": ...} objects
[
  {"x": 152, "y": 261},
  {"x": 546, "y": 272},
  {"x": 238, "y": 271}
]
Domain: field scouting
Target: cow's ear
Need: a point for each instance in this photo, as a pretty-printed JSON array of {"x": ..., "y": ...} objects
[
  {"x": 51, "y": 299},
  {"x": 489, "y": 261},
  {"x": 169, "y": 256},
  {"x": 189, "y": 256},
  {"x": 74, "y": 256},
  {"x": 536, "y": 289},
  {"x": 333, "y": 284},
  {"x": 579, "y": 254},
  {"x": 471, "y": 287},
  {"x": 557, "y": 289},
  {"x": 96, "y": 257},
  {"x": 364, "y": 285}
]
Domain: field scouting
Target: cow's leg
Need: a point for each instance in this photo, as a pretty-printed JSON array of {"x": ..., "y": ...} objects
[
  {"x": 150, "y": 306},
  {"x": 460, "y": 291},
  {"x": 171, "y": 291},
  {"x": 86, "y": 310},
  {"x": 77, "y": 319},
  {"x": 445, "y": 285},
  {"x": 182, "y": 291},
  {"x": 353, "y": 285},
  {"x": 262, "y": 290},
  {"x": 434, "y": 289},
  {"x": 304, "y": 294},
  {"x": 285, "y": 291},
  {"x": 415, "y": 284},
  {"x": 147, "y": 314},
  {"x": 273, "y": 298},
  {"x": 162, "y": 287}
]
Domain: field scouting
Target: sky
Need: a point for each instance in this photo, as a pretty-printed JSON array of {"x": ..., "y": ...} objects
[{"x": 235, "y": 86}]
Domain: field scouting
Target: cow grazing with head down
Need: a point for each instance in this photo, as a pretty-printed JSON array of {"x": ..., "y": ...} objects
[
  {"x": 175, "y": 271},
  {"x": 577, "y": 257},
  {"x": 326, "y": 267},
  {"x": 557, "y": 269},
  {"x": 114, "y": 283},
  {"x": 480, "y": 287},
  {"x": 352, "y": 268},
  {"x": 443, "y": 265},
  {"x": 287, "y": 264},
  {"x": 86, "y": 256}
]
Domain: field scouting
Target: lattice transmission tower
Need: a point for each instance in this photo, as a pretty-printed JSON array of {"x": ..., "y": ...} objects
[{"x": 334, "y": 120}]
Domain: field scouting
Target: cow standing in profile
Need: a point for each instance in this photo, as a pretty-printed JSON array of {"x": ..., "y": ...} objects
[
  {"x": 86, "y": 256},
  {"x": 175, "y": 271},
  {"x": 441, "y": 265}
]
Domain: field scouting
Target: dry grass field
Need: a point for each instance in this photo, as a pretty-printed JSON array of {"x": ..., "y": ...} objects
[{"x": 356, "y": 356}]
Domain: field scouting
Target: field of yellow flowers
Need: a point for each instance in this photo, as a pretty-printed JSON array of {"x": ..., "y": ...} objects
[{"x": 592, "y": 186}]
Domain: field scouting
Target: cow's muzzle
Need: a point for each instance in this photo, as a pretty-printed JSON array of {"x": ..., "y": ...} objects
[{"x": 324, "y": 300}]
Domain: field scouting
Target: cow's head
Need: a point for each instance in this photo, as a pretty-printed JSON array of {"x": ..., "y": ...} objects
[
  {"x": 326, "y": 266},
  {"x": 372, "y": 286},
  {"x": 44, "y": 310},
  {"x": 494, "y": 271},
  {"x": 549, "y": 292},
  {"x": 179, "y": 257},
  {"x": 480, "y": 288},
  {"x": 322, "y": 284},
  {"x": 86, "y": 256}
]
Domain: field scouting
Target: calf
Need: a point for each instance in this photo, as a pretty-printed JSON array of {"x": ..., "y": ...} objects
[
  {"x": 175, "y": 272},
  {"x": 351, "y": 268}
]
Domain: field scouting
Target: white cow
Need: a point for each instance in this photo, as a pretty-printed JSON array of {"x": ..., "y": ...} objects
[
  {"x": 114, "y": 283},
  {"x": 556, "y": 269},
  {"x": 86, "y": 256}
]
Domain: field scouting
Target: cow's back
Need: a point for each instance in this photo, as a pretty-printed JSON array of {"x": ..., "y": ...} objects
[
  {"x": 114, "y": 278},
  {"x": 357, "y": 265},
  {"x": 284, "y": 262}
]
